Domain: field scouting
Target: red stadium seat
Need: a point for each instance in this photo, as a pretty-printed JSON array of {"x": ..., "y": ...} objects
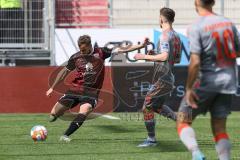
[{"x": 82, "y": 14}]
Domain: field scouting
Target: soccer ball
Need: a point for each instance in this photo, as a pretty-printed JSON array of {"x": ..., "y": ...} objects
[{"x": 39, "y": 133}]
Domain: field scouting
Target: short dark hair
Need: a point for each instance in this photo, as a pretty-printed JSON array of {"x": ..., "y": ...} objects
[
  {"x": 207, "y": 2},
  {"x": 85, "y": 39},
  {"x": 168, "y": 13}
]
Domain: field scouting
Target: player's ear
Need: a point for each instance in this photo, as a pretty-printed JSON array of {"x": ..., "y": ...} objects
[{"x": 213, "y": 3}]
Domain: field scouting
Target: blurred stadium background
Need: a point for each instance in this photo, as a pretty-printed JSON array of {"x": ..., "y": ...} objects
[
  {"x": 28, "y": 29},
  {"x": 36, "y": 36}
]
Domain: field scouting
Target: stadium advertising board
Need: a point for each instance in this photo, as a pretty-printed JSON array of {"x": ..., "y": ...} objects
[{"x": 66, "y": 40}]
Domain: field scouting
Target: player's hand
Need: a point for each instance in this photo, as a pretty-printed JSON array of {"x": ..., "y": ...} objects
[
  {"x": 151, "y": 52},
  {"x": 145, "y": 42},
  {"x": 191, "y": 98},
  {"x": 118, "y": 51},
  {"x": 139, "y": 56},
  {"x": 49, "y": 92}
]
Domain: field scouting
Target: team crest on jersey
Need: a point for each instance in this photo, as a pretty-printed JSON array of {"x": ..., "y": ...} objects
[
  {"x": 96, "y": 55},
  {"x": 89, "y": 67}
]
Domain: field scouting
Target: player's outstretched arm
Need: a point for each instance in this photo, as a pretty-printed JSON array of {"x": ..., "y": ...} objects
[
  {"x": 130, "y": 48},
  {"x": 133, "y": 47},
  {"x": 158, "y": 57},
  {"x": 60, "y": 77}
]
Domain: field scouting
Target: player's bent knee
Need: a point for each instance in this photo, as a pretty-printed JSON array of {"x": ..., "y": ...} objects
[
  {"x": 86, "y": 108},
  {"x": 148, "y": 114},
  {"x": 58, "y": 109}
]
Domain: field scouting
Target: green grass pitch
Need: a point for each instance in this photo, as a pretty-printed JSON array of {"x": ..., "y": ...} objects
[{"x": 105, "y": 139}]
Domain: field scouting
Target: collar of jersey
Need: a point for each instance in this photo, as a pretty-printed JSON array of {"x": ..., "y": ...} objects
[{"x": 207, "y": 14}]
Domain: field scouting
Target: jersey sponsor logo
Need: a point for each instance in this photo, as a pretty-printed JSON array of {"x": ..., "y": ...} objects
[{"x": 164, "y": 46}]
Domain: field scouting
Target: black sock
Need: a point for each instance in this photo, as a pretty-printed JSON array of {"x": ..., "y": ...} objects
[
  {"x": 76, "y": 123},
  {"x": 150, "y": 126}
]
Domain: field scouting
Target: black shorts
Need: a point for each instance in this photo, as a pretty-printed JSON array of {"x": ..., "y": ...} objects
[
  {"x": 218, "y": 104},
  {"x": 72, "y": 100}
]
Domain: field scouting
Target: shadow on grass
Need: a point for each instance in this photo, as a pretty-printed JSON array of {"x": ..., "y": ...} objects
[
  {"x": 106, "y": 140},
  {"x": 116, "y": 129},
  {"x": 166, "y": 146}
]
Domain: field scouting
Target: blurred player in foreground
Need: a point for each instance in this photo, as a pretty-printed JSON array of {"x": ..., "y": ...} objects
[
  {"x": 214, "y": 46},
  {"x": 168, "y": 53}
]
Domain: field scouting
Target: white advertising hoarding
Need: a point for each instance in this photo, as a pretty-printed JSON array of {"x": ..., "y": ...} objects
[{"x": 66, "y": 40}]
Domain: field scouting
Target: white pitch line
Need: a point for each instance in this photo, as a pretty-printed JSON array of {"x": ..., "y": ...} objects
[
  {"x": 111, "y": 117},
  {"x": 105, "y": 116}
]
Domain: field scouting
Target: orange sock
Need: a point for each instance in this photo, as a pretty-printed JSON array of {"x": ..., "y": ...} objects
[{"x": 187, "y": 136}]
